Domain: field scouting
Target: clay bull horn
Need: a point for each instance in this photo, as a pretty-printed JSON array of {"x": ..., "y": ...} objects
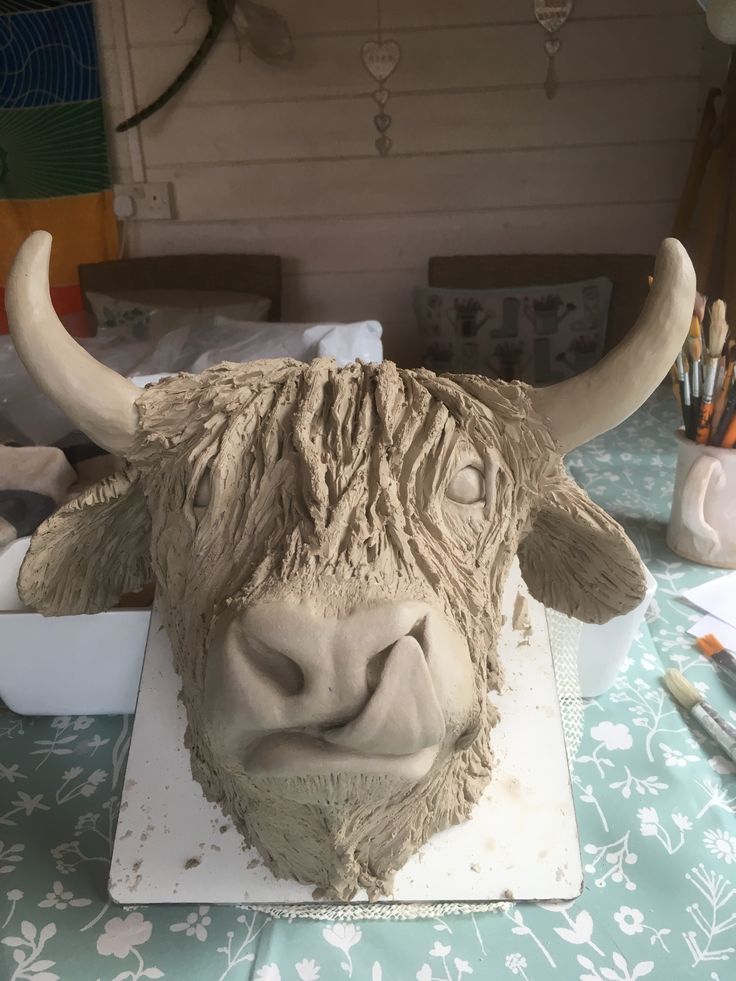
[
  {"x": 102, "y": 404},
  {"x": 599, "y": 399},
  {"x": 98, "y": 400}
]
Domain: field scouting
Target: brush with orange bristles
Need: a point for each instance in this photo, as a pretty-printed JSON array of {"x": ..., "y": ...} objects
[
  {"x": 716, "y": 340},
  {"x": 711, "y": 646}
]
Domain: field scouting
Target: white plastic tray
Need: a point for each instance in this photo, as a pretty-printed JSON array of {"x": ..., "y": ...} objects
[{"x": 80, "y": 665}]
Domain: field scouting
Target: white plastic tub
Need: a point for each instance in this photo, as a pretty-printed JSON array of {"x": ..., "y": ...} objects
[
  {"x": 603, "y": 647},
  {"x": 77, "y": 665}
]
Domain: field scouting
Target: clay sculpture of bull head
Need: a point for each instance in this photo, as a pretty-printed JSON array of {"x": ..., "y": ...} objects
[{"x": 329, "y": 547}]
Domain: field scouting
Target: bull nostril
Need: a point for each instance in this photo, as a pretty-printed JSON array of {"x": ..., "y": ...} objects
[{"x": 277, "y": 668}]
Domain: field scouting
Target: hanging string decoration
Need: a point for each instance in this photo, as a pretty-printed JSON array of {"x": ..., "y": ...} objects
[
  {"x": 380, "y": 59},
  {"x": 552, "y": 15}
]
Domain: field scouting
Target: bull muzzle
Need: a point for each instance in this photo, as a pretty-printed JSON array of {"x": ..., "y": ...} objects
[{"x": 290, "y": 692}]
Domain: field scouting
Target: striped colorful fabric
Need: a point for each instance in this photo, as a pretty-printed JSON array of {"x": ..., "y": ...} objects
[{"x": 54, "y": 170}]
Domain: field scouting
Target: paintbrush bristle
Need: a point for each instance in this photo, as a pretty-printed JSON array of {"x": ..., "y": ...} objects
[
  {"x": 718, "y": 329},
  {"x": 695, "y": 348},
  {"x": 681, "y": 690},
  {"x": 709, "y": 645},
  {"x": 699, "y": 306},
  {"x": 695, "y": 326}
]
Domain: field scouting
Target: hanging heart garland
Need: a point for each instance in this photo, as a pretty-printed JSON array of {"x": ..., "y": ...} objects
[
  {"x": 380, "y": 59},
  {"x": 552, "y": 15}
]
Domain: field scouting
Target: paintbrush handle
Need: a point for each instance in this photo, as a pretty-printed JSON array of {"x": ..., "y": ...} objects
[
  {"x": 729, "y": 440},
  {"x": 709, "y": 378},
  {"x": 706, "y": 415},
  {"x": 687, "y": 407},
  {"x": 677, "y": 392},
  {"x": 697, "y": 402},
  {"x": 726, "y": 662},
  {"x": 718, "y": 406},
  {"x": 684, "y": 409},
  {"x": 728, "y": 411},
  {"x": 716, "y": 727}
]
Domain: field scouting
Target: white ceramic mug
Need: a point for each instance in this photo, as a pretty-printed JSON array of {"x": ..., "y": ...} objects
[{"x": 702, "y": 524}]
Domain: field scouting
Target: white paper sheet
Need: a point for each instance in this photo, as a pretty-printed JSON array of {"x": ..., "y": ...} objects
[
  {"x": 717, "y": 597},
  {"x": 712, "y": 625}
]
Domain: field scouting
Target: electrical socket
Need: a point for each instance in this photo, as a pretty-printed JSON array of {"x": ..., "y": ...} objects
[{"x": 151, "y": 201}]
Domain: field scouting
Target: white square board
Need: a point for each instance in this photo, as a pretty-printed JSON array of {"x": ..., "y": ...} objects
[{"x": 173, "y": 846}]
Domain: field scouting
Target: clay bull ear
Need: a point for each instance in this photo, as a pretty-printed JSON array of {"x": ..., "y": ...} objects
[
  {"x": 577, "y": 559},
  {"x": 91, "y": 551}
]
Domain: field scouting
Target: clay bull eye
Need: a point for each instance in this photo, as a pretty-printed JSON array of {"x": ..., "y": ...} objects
[{"x": 468, "y": 486}]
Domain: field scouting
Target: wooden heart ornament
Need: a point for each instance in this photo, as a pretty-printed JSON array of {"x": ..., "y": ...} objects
[
  {"x": 380, "y": 58},
  {"x": 552, "y": 46},
  {"x": 382, "y": 121},
  {"x": 552, "y": 14}
]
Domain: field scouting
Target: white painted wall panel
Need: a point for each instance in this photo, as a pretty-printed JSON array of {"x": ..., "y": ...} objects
[{"x": 281, "y": 159}]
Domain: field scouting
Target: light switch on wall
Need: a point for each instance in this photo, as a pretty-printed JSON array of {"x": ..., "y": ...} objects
[{"x": 143, "y": 202}]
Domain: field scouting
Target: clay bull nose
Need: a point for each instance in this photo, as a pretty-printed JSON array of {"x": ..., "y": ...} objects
[
  {"x": 403, "y": 715},
  {"x": 288, "y": 689}
]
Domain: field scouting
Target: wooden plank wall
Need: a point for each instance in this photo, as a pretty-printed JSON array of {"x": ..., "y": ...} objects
[{"x": 281, "y": 159}]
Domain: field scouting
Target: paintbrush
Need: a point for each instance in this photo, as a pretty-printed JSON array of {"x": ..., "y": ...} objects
[
  {"x": 701, "y": 301},
  {"x": 711, "y": 646},
  {"x": 687, "y": 403},
  {"x": 729, "y": 439},
  {"x": 729, "y": 408},
  {"x": 718, "y": 331},
  {"x": 679, "y": 367},
  {"x": 695, "y": 352},
  {"x": 693, "y": 703},
  {"x": 716, "y": 340},
  {"x": 719, "y": 404}
]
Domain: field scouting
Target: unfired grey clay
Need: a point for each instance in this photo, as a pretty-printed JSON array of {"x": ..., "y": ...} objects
[{"x": 330, "y": 546}]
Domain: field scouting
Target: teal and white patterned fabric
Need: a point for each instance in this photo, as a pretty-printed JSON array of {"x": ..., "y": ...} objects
[{"x": 656, "y": 804}]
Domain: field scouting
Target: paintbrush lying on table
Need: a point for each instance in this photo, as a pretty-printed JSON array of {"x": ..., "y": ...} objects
[
  {"x": 711, "y": 646},
  {"x": 694, "y": 704}
]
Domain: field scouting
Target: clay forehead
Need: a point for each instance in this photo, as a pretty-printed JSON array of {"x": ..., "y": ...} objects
[
  {"x": 342, "y": 414},
  {"x": 347, "y": 420}
]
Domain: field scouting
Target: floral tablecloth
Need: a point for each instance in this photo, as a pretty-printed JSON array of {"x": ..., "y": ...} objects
[{"x": 656, "y": 804}]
